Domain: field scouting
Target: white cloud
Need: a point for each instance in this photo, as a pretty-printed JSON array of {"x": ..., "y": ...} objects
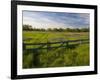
[
  {"x": 55, "y": 20},
  {"x": 36, "y": 23}
]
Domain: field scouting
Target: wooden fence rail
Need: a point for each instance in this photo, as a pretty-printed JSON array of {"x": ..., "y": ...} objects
[{"x": 48, "y": 45}]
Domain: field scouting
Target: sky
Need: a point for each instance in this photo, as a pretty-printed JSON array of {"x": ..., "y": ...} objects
[{"x": 42, "y": 19}]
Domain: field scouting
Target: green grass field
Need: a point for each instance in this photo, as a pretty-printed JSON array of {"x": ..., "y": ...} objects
[{"x": 75, "y": 55}]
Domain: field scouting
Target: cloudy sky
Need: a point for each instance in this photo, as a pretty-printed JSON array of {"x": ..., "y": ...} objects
[{"x": 56, "y": 19}]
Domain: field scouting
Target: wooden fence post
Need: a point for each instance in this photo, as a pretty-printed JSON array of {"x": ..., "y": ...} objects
[
  {"x": 35, "y": 58},
  {"x": 48, "y": 46},
  {"x": 24, "y": 46},
  {"x": 67, "y": 44}
]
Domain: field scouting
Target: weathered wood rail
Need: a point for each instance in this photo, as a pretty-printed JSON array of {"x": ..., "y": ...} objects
[{"x": 49, "y": 45}]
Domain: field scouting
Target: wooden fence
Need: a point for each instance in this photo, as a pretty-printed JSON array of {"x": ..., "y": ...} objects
[{"x": 50, "y": 45}]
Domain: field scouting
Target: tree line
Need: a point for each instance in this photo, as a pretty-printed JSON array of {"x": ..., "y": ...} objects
[{"x": 30, "y": 28}]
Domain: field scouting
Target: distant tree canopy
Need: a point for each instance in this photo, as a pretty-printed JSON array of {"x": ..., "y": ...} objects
[
  {"x": 30, "y": 28},
  {"x": 27, "y": 27}
]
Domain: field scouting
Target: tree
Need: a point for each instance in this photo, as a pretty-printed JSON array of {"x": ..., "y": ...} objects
[
  {"x": 27, "y": 27},
  {"x": 49, "y": 29},
  {"x": 30, "y": 28}
]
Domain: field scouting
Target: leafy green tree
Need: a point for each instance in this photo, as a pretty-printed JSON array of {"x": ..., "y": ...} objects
[{"x": 27, "y": 27}]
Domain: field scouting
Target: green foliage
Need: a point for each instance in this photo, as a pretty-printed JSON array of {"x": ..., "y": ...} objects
[
  {"x": 73, "y": 55},
  {"x": 27, "y": 60},
  {"x": 27, "y": 27},
  {"x": 30, "y": 28}
]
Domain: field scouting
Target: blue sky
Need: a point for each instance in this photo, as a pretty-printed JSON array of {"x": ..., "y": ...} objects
[{"x": 56, "y": 19}]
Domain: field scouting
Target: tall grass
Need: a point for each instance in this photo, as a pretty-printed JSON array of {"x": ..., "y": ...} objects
[{"x": 73, "y": 55}]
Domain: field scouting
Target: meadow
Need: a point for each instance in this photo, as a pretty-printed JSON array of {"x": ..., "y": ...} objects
[{"x": 72, "y": 55}]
